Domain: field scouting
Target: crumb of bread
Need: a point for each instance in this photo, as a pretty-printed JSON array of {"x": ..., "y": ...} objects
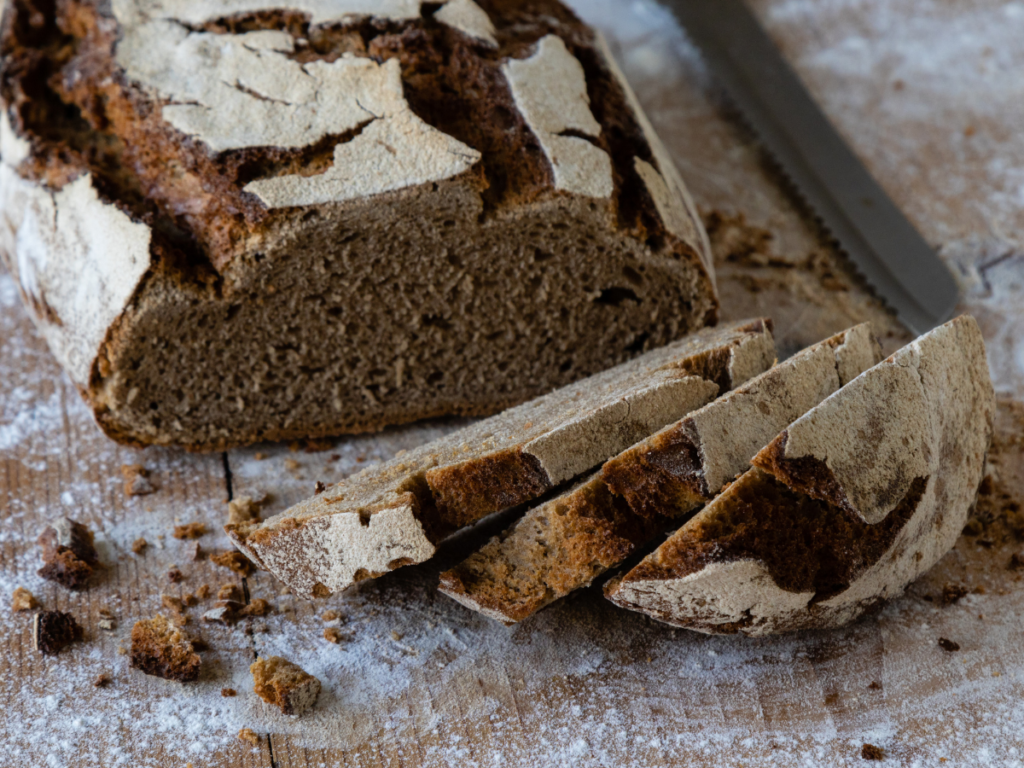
[
  {"x": 175, "y": 576},
  {"x": 108, "y": 625},
  {"x": 291, "y": 465},
  {"x": 189, "y": 531},
  {"x": 23, "y": 600},
  {"x": 136, "y": 480},
  {"x": 951, "y": 593},
  {"x": 163, "y": 650},
  {"x": 256, "y": 607},
  {"x": 203, "y": 592},
  {"x": 234, "y": 561},
  {"x": 284, "y": 684},
  {"x": 230, "y": 592},
  {"x": 102, "y": 680},
  {"x": 69, "y": 554},
  {"x": 330, "y": 615},
  {"x": 948, "y": 645},
  {"x": 55, "y": 630},
  {"x": 243, "y": 510},
  {"x": 249, "y": 735},
  {"x": 871, "y": 752},
  {"x": 228, "y": 692},
  {"x": 333, "y": 635},
  {"x": 139, "y": 546}
]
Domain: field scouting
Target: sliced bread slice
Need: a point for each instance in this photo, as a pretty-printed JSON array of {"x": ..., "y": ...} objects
[
  {"x": 395, "y": 514},
  {"x": 564, "y": 544},
  {"x": 843, "y": 510}
]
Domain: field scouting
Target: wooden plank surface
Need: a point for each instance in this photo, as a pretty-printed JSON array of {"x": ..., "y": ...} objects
[{"x": 420, "y": 681}]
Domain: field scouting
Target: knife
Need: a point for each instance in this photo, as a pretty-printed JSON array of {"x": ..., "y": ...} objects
[{"x": 887, "y": 250}]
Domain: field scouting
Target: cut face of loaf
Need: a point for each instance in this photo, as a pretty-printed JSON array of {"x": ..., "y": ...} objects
[
  {"x": 395, "y": 514},
  {"x": 320, "y": 217},
  {"x": 809, "y": 537},
  {"x": 564, "y": 544}
]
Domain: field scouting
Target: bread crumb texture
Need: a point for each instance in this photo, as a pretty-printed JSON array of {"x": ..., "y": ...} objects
[
  {"x": 163, "y": 650},
  {"x": 255, "y": 222},
  {"x": 285, "y": 685}
]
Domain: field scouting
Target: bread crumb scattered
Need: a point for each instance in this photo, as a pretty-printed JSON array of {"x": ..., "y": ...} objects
[
  {"x": 286, "y": 685},
  {"x": 163, "y": 650},
  {"x": 948, "y": 645},
  {"x": 53, "y": 631},
  {"x": 175, "y": 576},
  {"x": 398, "y": 636},
  {"x": 871, "y": 752},
  {"x": 249, "y": 735},
  {"x": 952, "y": 593},
  {"x": 108, "y": 625},
  {"x": 875, "y": 686},
  {"x": 333, "y": 635},
  {"x": 69, "y": 554},
  {"x": 102, "y": 680},
  {"x": 203, "y": 592},
  {"x": 330, "y": 615},
  {"x": 230, "y": 592},
  {"x": 139, "y": 546},
  {"x": 189, "y": 531},
  {"x": 256, "y": 607},
  {"x": 234, "y": 561},
  {"x": 291, "y": 465},
  {"x": 136, "y": 480},
  {"x": 23, "y": 600},
  {"x": 228, "y": 692},
  {"x": 242, "y": 510}
]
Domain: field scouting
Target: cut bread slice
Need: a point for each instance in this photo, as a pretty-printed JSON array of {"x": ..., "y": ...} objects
[
  {"x": 395, "y": 514},
  {"x": 564, "y": 544},
  {"x": 843, "y": 510}
]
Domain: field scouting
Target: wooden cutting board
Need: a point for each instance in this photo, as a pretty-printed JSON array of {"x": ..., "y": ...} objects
[{"x": 930, "y": 95}]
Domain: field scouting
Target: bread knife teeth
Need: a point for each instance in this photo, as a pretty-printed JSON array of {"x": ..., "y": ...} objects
[{"x": 871, "y": 230}]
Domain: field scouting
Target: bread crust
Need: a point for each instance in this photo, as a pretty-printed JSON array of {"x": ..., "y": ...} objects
[
  {"x": 226, "y": 207},
  {"x": 774, "y": 553}
]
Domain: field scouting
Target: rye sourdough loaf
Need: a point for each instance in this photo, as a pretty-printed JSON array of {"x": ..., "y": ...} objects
[
  {"x": 843, "y": 509},
  {"x": 566, "y": 543},
  {"x": 395, "y": 514},
  {"x": 250, "y": 220}
]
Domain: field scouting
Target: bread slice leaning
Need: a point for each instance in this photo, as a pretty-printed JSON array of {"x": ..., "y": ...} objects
[
  {"x": 843, "y": 509},
  {"x": 564, "y": 544},
  {"x": 395, "y": 514}
]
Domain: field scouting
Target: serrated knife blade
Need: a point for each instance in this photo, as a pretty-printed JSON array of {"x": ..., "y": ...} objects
[{"x": 883, "y": 245}]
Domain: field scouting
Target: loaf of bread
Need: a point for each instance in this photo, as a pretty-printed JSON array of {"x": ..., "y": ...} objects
[
  {"x": 843, "y": 509},
  {"x": 396, "y": 513},
  {"x": 642, "y": 493},
  {"x": 250, "y": 221}
]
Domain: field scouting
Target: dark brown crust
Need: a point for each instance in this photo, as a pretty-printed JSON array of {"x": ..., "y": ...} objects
[
  {"x": 72, "y": 563},
  {"x": 595, "y": 531},
  {"x": 157, "y": 651},
  {"x": 806, "y": 545},
  {"x": 663, "y": 478},
  {"x": 467, "y": 492},
  {"x": 67, "y": 570},
  {"x": 54, "y": 631}
]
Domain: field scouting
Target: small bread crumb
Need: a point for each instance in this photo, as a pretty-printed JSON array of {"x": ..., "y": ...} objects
[
  {"x": 234, "y": 561},
  {"x": 291, "y": 465},
  {"x": 330, "y": 615},
  {"x": 333, "y": 635},
  {"x": 230, "y": 592},
  {"x": 68, "y": 552},
  {"x": 948, "y": 645},
  {"x": 871, "y": 752},
  {"x": 249, "y": 735},
  {"x": 107, "y": 624},
  {"x": 256, "y": 607},
  {"x": 23, "y": 600},
  {"x": 286, "y": 685},
  {"x": 203, "y": 592},
  {"x": 243, "y": 510},
  {"x": 228, "y": 692},
  {"x": 102, "y": 680},
  {"x": 55, "y": 630},
  {"x": 952, "y": 593},
  {"x": 175, "y": 576},
  {"x": 136, "y": 480},
  {"x": 189, "y": 531},
  {"x": 139, "y": 546},
  {"x": 163, "y": 650}
]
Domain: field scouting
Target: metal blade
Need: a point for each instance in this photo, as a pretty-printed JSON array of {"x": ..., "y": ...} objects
[{"x": 871, "y": 230}]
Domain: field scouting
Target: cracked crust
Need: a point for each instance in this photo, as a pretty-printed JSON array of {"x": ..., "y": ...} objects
[
  {"x": 396, "y": 513},
  {"x": 640, "y": 494},
  {"x": 772, "y": 553},
  {"x": 284, "y": 272}
]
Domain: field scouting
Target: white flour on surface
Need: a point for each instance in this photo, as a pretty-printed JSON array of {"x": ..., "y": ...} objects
[{"x": 582, "y": 683}]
